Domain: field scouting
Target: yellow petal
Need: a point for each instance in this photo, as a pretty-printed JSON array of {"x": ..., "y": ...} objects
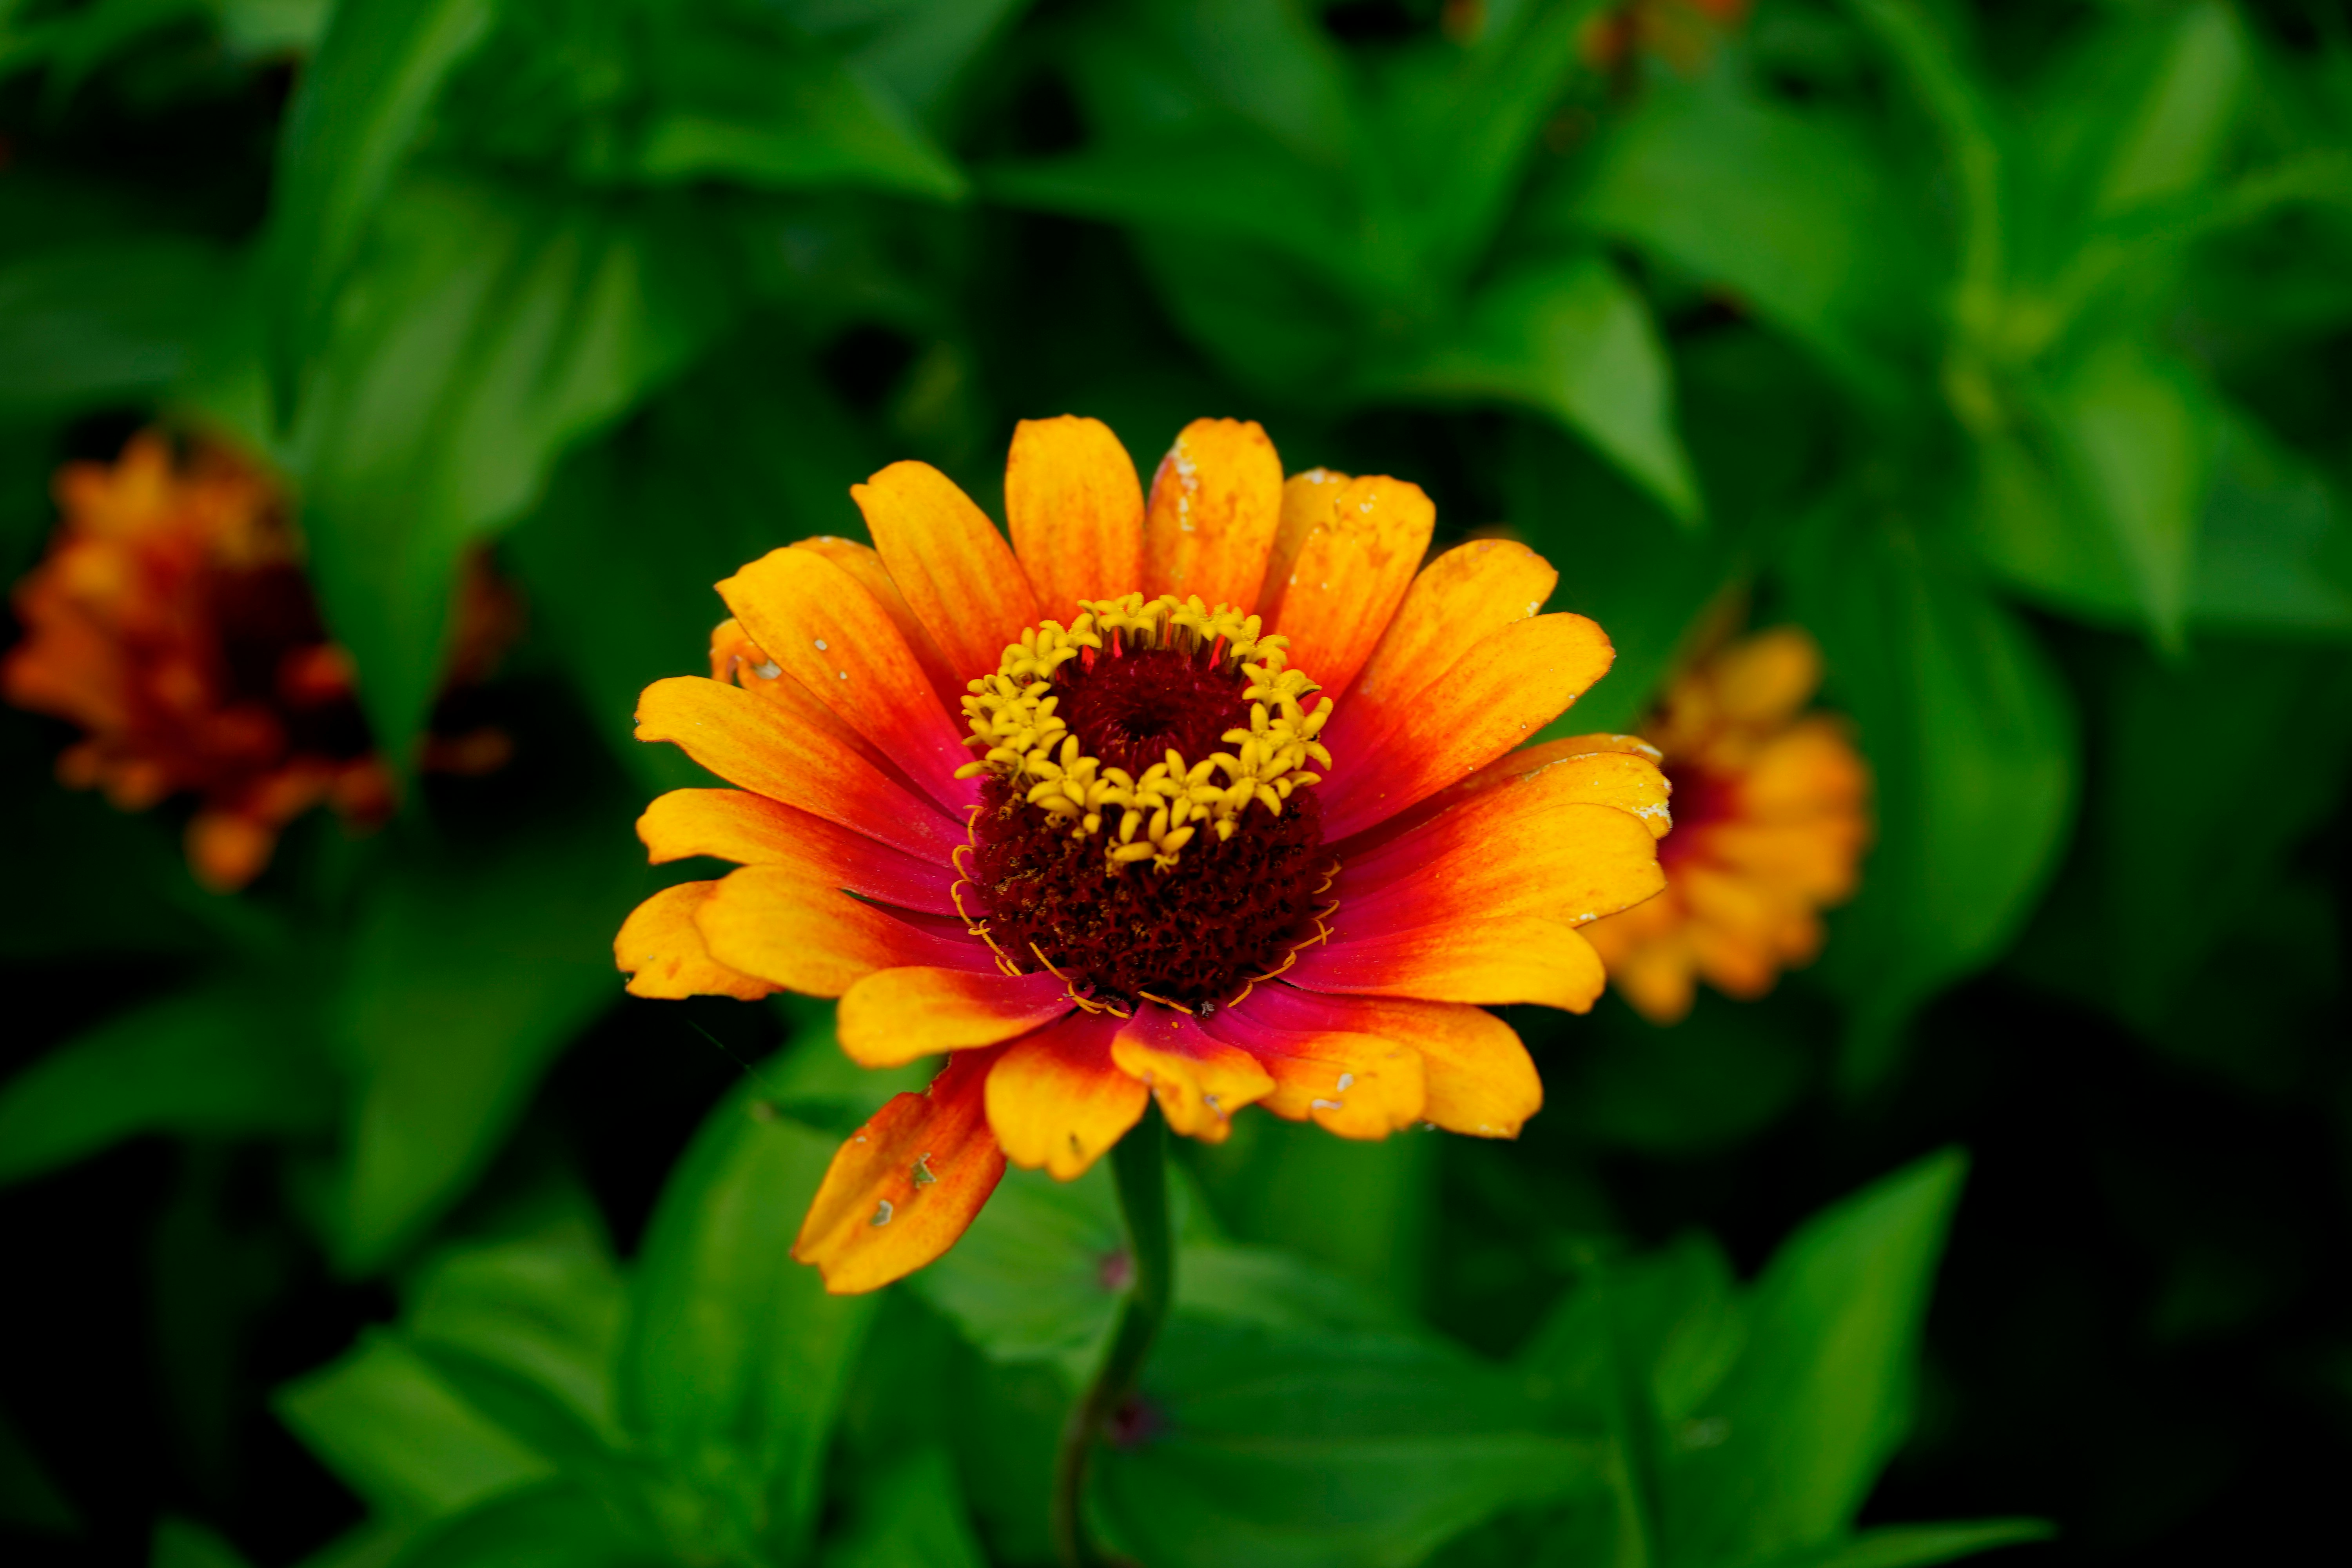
[
  {"x": 1216, "y": 502},
  {"x": 1076, "y": 509},
  {"x": 662, "y": 955}
]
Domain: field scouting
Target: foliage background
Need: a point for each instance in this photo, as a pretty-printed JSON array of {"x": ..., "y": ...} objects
[{"x": 2009, "y": 348}]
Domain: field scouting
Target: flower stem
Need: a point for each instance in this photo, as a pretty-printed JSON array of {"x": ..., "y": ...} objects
[{"x": 1139, "y": 1164}]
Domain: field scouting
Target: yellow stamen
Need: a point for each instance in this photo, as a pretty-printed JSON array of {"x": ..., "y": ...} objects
[{"x": 1013, "y": 724}]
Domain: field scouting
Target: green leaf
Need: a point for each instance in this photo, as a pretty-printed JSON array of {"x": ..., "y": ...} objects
[
  {"x": 1972, "y": 740},
  {"x": 237, "y": 1057},
  {"x": 2174, "y": 135},
  {"x": 558, "y": 1525},
  {"x": 924, "y": 50},
  {"x": 1363, "y": 1211},
  {"x": 2133, "y": 428},
  {"x": 546, "y": 1307},
  {"x": 102, "y": 321},
  {"x": 1327, "y": 1448},
  {"x": 735, "y": 1358},
  {"x": 1784, "y": 1451},
  {"x": 394, "y": 1432},
  {"x": 488, "y": 330},
  {"x": 911, "y": 1516},
  {"x": 469, "y": 970},
  {"x": 184, "y": 1543},
  {"x": 1918, "y": 1545},
  {"x": 358, "y": 105},
  {"x": 1790, "y": 210},
  {"x": 1568, "y": 338},
  {"x": 1033, "y": 1278},
  {"x": 29, "y": 1498}
]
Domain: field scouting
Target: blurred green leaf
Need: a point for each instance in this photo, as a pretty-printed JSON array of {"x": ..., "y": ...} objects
[
  {"x": 104, "y": 320},
  {"x": 910, "y": 1516},
  {"x": 2133, "y": 430},
  {"x": 1918, "y": 1545},
  {"x": 2173, "y": 137},
  {"x": 29, "y": 1498},
  {"x": 358, "y": 105},
  {"x": 184, "y": 1543},
  {"x": 488, "y": 329},
  {"x": 239, "y": 1056},
  {"x": 1792, "y": 211},
  {"x": 922, "y": 51},
  {"x": 1790, "y": 1443},
  {"x": 469, "y": 970},
  {"x": 548, "y": 1306},
  {"x": 1972, "y": 740},
  {"x": 394, "y": 1432},
  {"x": 558, "y": 1525},
  {"x": 1363, "y": 1211},
  {"x": 735, "y": 1359},
  {"x": 1567, "y": 337},
  {"x": 1256, "y": 1447}
]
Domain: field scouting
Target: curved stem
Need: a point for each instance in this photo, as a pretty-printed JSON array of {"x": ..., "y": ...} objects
[{"x": 1139, "y": 1164}]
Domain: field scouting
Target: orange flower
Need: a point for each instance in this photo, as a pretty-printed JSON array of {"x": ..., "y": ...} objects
[
  {"x": 1772, "y": 815},
  {"x": 1210, "y": 800},
  {"x": 170, "y": 620},
  {"x": 1683, "y": 32}
]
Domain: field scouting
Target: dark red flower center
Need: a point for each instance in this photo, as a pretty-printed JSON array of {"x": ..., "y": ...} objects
[
  {"x": 1195, "y": 933},
  {"x": 1699, "y": 796}
]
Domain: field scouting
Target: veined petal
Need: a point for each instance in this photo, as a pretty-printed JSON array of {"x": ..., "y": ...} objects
[
  {"x": 835, "y": 639},
  {"x": 752, "y": 830},
  {"x": 1199, "y": 1081},
  {"x": 1058, "y": 1100},
  {"x": 862, "y": 561},
  {"x": 907, "y": 1184},
  {"x": 1494, "y": 854},
  {"x": 1494, "y": 698},
  {"x": 774, "y": 922},
  {"x": 950, "y": 562},
  {"x": 1554, "y": 773},
  {"x": 1216, "y": 503},
  {"x": 899, "y": 1015},
  {"x": 1348, "y": 1081},
  {"x": 764, "y": 747},
  {"x": 1491, "y": 961},
  {"x": 1346, "y": 553},
  {"x": 1076, "y": 509},
  {"x": 662, "y": 955},
  {"x": 1461, "y": 598},
  {"x": 1478, "y": 1078}
]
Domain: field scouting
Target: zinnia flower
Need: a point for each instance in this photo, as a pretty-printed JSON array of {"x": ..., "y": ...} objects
[
  {"x": 1771, "y": 815},
  {"x": 1212, "y": 799},
  {"x": 171, "y": 621}
]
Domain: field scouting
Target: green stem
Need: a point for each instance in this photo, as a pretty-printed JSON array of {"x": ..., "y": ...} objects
[{"x": 1139, "y": 1164}]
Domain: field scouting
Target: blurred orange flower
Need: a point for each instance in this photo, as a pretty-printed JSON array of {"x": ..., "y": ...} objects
[
  {"x": 1683, "y": 32},
  {"x": 1771, "y": 809},
  {"x": 1208, "y": 798},
  {"x": 171, "y": 621}
]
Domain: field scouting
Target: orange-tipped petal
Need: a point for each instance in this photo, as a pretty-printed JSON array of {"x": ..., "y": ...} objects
[
  {"x": 1464, "y": 596},
  {"x": 1057, "y": 1099},
  {"x": 662, "y": 953},
  {"x": 1626, "y": 776},
  {"x": 1075, "y": 508},
  {"x": 797, "y": 934},
  {"x": 862, "y": 561},
  {"x": 1491, "y": 961},
  {"x": 1497, "y": 854},
  {"x": 907, "y": 1184},
  {"x": 766, "y": 747},
  {"x": 1478, "y": 1078},
  {"x": 899, "y": 1015},
  {"x": 1494, "y": 697},
  {"x": 950, "y": 562},
  {"x": 1347, "y": 1081},
  {"x": 1200, "y": 1082},
  {"x": 1342, "y": 561},
  {"x": 833, "y": 638},
  {"x": 1216, "y": 504},
  {"x": 752, "y": 830}
]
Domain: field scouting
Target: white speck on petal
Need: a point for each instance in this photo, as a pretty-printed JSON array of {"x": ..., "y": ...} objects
[
  {"x": 845, "y": 675},
  {"x": 770, "y": 670},
  {"x": 1329, "y": 1105},
  {"x": 882, "y": 1213},
  {"x": 1347, "y": 1081},
  {"x": 820, "y": 646}
]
